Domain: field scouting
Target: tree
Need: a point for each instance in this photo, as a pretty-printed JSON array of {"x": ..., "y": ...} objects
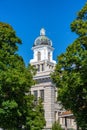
[
  {"x": 37, "y": 120},
  {"x": 56, "y": 126},
  {"x": 70, "y": 75},
  {"x": 16, "y": 103}
]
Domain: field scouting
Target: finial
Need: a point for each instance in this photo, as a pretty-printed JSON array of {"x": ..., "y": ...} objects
[{"x": 42, "y": 32}]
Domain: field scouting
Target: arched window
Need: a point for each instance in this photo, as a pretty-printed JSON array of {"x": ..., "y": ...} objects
[
  {"x": 49, "y": 56},
  {"x": 39, "y": 56}
]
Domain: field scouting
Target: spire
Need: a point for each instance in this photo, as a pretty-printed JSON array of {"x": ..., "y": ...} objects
[{"x": 42, "y": 32}]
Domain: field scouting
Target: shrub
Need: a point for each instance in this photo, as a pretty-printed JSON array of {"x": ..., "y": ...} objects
[{"x": 56, "y": 126}]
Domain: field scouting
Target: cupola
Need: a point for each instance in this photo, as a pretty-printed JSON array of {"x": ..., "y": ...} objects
[{"x": 42, "y": 39}]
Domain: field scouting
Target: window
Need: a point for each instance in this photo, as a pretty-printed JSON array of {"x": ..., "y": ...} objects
[
  {"x": 42, "y": 67},
  {"x": 35, "y": 94},
  {"x": 34, "y": 66},
  {"x": 38, "y": 68},
  {"x": 39, "y": 56},
  {"x": 63, "y": 121},
  {"x": 42, "y": 94},
  {"x": 49, "y": 56}
]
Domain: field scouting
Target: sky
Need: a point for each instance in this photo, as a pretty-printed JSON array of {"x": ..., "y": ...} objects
[{"x": 27, "y": 17}]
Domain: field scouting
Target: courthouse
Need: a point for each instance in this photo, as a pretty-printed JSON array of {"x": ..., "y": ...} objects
[{"x": 45, "y": 89}]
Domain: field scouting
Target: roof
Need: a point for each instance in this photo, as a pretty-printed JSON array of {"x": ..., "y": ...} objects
[
  {"x": 66, "y": 114},
  {"x": 42, "y": 39}
]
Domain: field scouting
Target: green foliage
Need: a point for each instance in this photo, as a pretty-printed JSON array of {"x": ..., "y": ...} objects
[
  {"x": 37, "y": 117},
  {"x": 56, "y": 126},
  {"x": 16, "y": 103},
  {"x": 70, "y": 74}
]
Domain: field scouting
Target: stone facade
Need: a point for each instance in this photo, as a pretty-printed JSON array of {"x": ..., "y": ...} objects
[
  {"x": 43, "y": 61},
  {"x": 45, "y": 89}
]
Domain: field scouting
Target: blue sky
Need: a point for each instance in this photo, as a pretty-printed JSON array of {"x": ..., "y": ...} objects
[{"x": 27, "y": 17}]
